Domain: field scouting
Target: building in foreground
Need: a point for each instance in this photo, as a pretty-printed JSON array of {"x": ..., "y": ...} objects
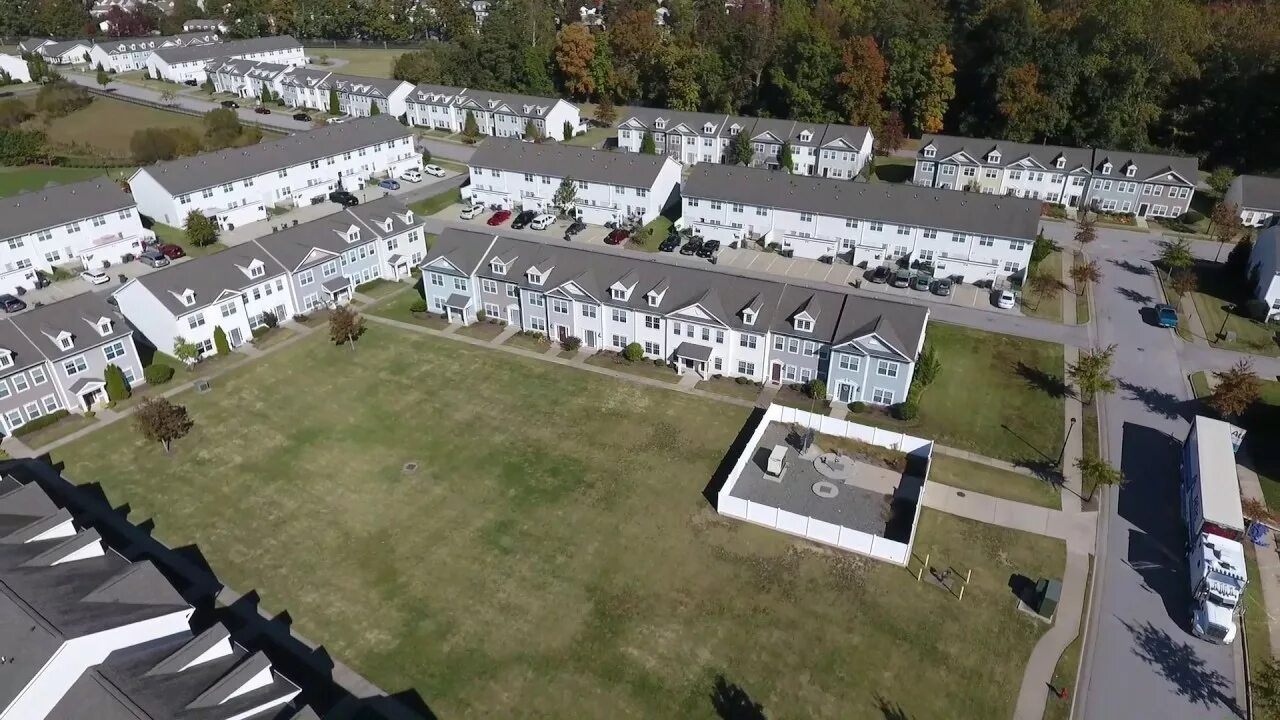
[
  {"x": 1143, "y": 184},
  {"x": 236, "y": 186},
  {"x": 126, "y": 54},
  {"x": 1264, "y": 266},
  {"x": 496, "y": 114},
  {"x": 88, "y": 224},
  {"x": 357, "y": 95},
  {"x": 968, "y": 235},
  {"x": 697, "y": 319},
  {"x": 608, "y": 187},
  {"x": 15, "y": 67},
  {"x": 1257, "y": 198},
  {"x": 180, "y": 64},
  {"x": 58, "y": 52}
]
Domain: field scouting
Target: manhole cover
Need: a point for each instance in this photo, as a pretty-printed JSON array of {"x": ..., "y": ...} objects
[
  {"x": 410, "y": 467},
  {"x": 824, "y": 489}
]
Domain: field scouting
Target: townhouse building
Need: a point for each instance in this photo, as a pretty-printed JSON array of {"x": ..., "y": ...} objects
[
  {"x": 127, "y": 54},
  {"x": 818, "y": 149},
  {"x": 496, "y": 114},
  {"x": 55, "y": 356},
  {"x": 357, "y": 95},
  {"x": 236, "y": 186},
  {"x": 1144, "y": 184},
  {"x": 89, "y": 224},
  {"x": 1256, "y": 198},
  {"x": 966, "y": 235},
  {"x": 608, "y": 187},
  {"x": 180, "y": 64},
  {"x": 1264, "y": 266},
  {"x": 698, "y": 319},
  {"x": 58, "y": 52},
  {"x": 15, "y": 68},
  {"x": 245, "y": 78}
]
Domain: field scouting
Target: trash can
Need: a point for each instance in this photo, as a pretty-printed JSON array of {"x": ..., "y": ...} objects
[{"x": 1048, "y": 594}]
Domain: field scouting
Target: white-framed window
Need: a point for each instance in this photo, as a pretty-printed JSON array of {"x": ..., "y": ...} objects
[
  {"x": 653, "y": 322},
  {"x": 460, "y": 284},
  {"x": 33, "y": 410},
  {"x": 50, "y": 402},
  {"x": 618, "y": 314},
  {"x": 804, "y": 325},
  {"x": 4, "y": 389},
  {"x": 880, "y": 396},
  {"x": 75, "y": 365},
  {"x": 227, "y": 309},
  {"x": 849, "y": 362},
  {"x": 746, "y": 368},
  {"x": 793, "y": 345},
  {"x": 789, "y": 372},
  {"x": 887, "y": 368},
  {"x": 437, "y": 279},
  {"x": 306, "y": 277},
  {"x": 38, "y": 376},
  {"x": 652, "y": 348},
  {"x": 195, "y": 321},
  {"x": 747, "y": 341},
  {"x": 779, "y": 342},
  {"x": 488, "y": 285},
  {"x": 589, "y": 311},
  {"x": 620, "y": 341},
  {"x": 536, "y": 300},
  {"x": 492, "y": 310},
  {"x": 538, "y": 324},
  {"x": 13, "y": 419},
  {"x": 114, "y": 350},
  {"x": 560, "y": 306},
  {"x": 810, "y": 348}
]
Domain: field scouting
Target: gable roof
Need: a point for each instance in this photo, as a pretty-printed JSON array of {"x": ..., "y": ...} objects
[
  {"x": 1149, "y": 166},
  {"x": 186, "y": 175},
  {"x": 208, "y": 277},
  {"x": 58, "y": 205},
  {"x": 527, "y": 106},
  {"x": 198, "y": 53},
  {"x": 953, "y": 210},
  {"x": 120, "y": 46},
  {"x": 560, "y": 161},
  {"x": 1259, "y": 193},
  {"x": 695, "y": 121},
  {"x": 978, "y": 150},
  {"x": 241, "y": 67},
  {"x": 293, "y": 245},
  {"x": 77, "y": 315}
]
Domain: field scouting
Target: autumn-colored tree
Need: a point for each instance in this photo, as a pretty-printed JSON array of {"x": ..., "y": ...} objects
[
  {"x": 606, "y": 114},
  {"x": 1237, "y": 389},
  {"x": 1224, "y": 223},
  {"x": 939, "y": 89},
  {"x": 862, "y": 83},
  {"x": 1021, "y": 102},
  {"x": 1091, "y": 372},
  {"x": 1183, "y": 282},
  {"x": 1084, "y": 273},
  {"x": 635, "y": 41},
  {"x": 574, "y": 53},
  {"x": 1044, "y": 285},
  {"x": 892, "y": 133},
  {"x": 162, "y": 421},
  {"x": 1086, "y": 233},
  {"x": 345, "y": 325}
]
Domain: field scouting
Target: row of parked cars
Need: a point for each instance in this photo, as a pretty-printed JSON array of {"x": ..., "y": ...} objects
[
  {"x": 693, "y": 245},
  {"x": 904, "y": 278}
]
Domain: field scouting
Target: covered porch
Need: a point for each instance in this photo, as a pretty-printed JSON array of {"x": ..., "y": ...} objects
[
  {"x": 399, "y": 267},
  {"x": 458, "y": 308},
  {"x": 337, "y": 291},
  {"x": 691, "y": 356},
  {"x": 88, "y": 392}
]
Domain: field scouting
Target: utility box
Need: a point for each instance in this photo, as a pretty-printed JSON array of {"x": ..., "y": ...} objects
[{"x": 1048, "y": 594}]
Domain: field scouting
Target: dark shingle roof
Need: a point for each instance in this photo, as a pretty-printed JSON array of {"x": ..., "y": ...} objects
[
  {"x": 208, "y": 277},
  {"x": 197, "y": 53},
  {"x": 55, "y": 206},
  {"x": 1148, "y": 165},
  {"x": 1259, "y": 193},
  {"x": 292, "y": 246},
  {"x": 558, "y": 160},
  {"x": 77, "y": 315},
  {"x": 954, "y": 210}
]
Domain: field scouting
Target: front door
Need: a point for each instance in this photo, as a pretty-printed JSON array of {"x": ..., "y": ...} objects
[
  {"x": 591, "y": 338},
  {"x": 236, "y": 337},
  {"x": 1142, "y": 210},
  {"x": 513, "y": 315},
  {"x": 845, "y": 392},
  {"x": 561, "y": 332},
  {"x": 777, "y": 373}
]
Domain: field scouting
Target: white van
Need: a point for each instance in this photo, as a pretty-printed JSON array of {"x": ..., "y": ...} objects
[{"x": 412, "y": 175}]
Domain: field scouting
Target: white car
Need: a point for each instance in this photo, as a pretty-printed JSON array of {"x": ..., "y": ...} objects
[
  {"x": 412, "y": 175},
  {"x": 95, "y": 277},
  {"x": 1005, "y": 300},
  {"x": 471, "y": 212},
  {"x": 434, "y": 170},
  {"x": 542, "y": 222}
]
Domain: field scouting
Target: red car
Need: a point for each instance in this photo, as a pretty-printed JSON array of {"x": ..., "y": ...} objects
[
  {"x": 617, "y": 237},
  {"x": 171, "y": 251},
  {"x": 500, "y": 217}
]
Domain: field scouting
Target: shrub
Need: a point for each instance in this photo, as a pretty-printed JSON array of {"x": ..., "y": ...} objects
[
  {"x": 571, "y": 343},
  {"x": 1191, "y": 217},
  {"x": 816, "y": 389},
  {"x": 1255, "y": 309},
  {"x": 157, "y": 374},
  {"x": 418, "y": 306},
  {"x": 43, "y": 421},
  {"x": 481, "y": 315},
  {"x": 858, "y": 406},
  {"x": 300, "y": 318},
  {"x": 908, "y": 410},
  {"x": 742, "y": 380},
  {"x": 633, "y": 352},
  {"x": 117, "y": 386},
  {"x": 259, "y": 331},
  {"x": 269, "y": 320},
  {"x": 659, "y": 362}
]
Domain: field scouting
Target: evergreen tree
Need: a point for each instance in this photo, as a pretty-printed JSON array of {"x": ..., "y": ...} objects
[
  {"x": 117, "y": 386},
  {"x": 740, "y": 152},
  {"x": 647, "y": 145},
  {"x": 785, "y": 159},
  {"x": 470, "y": 128},
  {"x": 220, "y": 341},
  {"x": 374, "y": 110},
  {"x": 335, "y": 108}
]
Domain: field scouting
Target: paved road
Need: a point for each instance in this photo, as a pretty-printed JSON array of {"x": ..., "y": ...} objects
[{"x": 1142, "y": 660}]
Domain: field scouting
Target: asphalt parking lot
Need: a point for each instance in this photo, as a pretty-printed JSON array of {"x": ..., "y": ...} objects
[{"x": 451, "y": 215}]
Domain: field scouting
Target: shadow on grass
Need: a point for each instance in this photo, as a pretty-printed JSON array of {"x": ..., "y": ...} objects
[
  {"x": 1026, "y": 442},
  {"x": 739, "y": 445},
  {"x": 733, "y": 703},
  {"x": 890, "y": 710},
  {"x": 1046, "y": 382}
]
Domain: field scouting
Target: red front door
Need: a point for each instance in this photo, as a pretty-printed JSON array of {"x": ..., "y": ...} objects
[{"x": 777, "y": 373}]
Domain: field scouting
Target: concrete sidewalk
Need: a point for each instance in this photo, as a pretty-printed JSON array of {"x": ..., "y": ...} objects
[{"x": 1074, "y": 527}]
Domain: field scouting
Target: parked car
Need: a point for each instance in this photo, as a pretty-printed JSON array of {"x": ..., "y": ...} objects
[
  {"x": 708, "y": 249},
  {"x": 1005, "y": 299},
  {"x": 499, "y": 217},
  {"x": 412, "y": 175},
  {"x": 901, "y": 279},
  {"x": 575, "y": 227},
  {"x": 302, "y": 117},
  {"x": 1166, "y": 316},
  {"x": 471, "y": 212},
  {"x": 11, "y": 304},
  {"x": 343, "y": 198},
  {"x": 523, "y": 219},
  {"x": 921, "y": 282},
  {"x": 261, "y": 110},
  {"x": 434, "y": 170},
  {"x": 670, "y": 244},
  {"x": 229, "y": 104},
  {"x": 880, "y": 275},
  {"x": 336, "y": 120},
  {"x": 691, "y": 246},
  {"x": 617, "y": 236},
  {"x": 542, "y": 222},
  {"x": 942, "y": 287},
  {"x": 95, "y": 277},
  {"x": 153, "y": 257},
  {"x": 171, "y": 251},
  {"x": 389, "y": 184},
  {"x": 192, "y": 83}
]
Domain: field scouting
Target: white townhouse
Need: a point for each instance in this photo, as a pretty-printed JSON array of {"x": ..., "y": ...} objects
[
  {"x": 180, "y": 64},
  {"x": 496, "y": 114},
  {"x": 357, "y": 95},
  {"x": 236, "y": 186},
  {"x": 65, "y": 52},
  {"x": 89, "y": 224},
  {"x": 15, "y": 67},
  {"x": 210, "y": 25},
  {"x": 696, "y": 318},
  {"x": 1264, "y": 264},
  {"x": 244, "y": 78},
  {"x": 1145, "y": 185},
  {"x": 608, "y": 187},
  {"x": 818, "y": 149},
  {"x": 967, "y": 235},
  {"x": 126, "y": 54},
  {"x": 1256, "y": 198}
]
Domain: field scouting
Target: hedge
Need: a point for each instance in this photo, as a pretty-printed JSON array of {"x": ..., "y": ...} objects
[
  {"x": 157, "y": 374},
  {"x": 40, "y": 423}
]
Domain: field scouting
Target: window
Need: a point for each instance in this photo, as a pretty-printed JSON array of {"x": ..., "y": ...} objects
[
  {"x": 619, "y": 315},
  {"x": 512, "y": 291},
  {"x": 437, "y": 280},
  {"x": 620, "y": 341},
  {"x": 779, "y": 342},
  {"x": 498, "y": 267},
  {"x": 50, "y": 403},
  {"x": 535, "y": 278},
  {"x": 538, "y": 324},
  {"x": 887, "y": 368},
  {"x": 4, "y": 389},
  {"x": 789, "y": 372},
  {"x": 793, "y": 345},
  {"x": 536, "y": 300},
  {"x": 930, "y": 152},
  {"x": 460, "y": 284},
  {"x": 618, "y": 293},
  {"x": 257, "y": 271},
  {"x": 227, "y": 309},
  {"x": 805, "y": 375},
  {"x": 651, "y": 348},
  {"x": 560, "y": 306},
  {"x": 747, "y": 341},
  {"x": 329, "y": 269},
  {"x": 986, "y": 241},
  {"x": 37, "y": 376},
  {"x": 114, "y": 350},
  {"x": 488, "y": 286},
  {"x": 806, "y": 217},
  {"x": 749, "y": 317},
  {"x": 33, "y": 410},
  {"x": 810, "y": 348},
  {"x": 74, "y": 366},
  {"x": 13, "y": 419},
  {"x": 849, "y": 362},
  {"x": 804, "y": 325},
  {"x": 876, "y": 227},
  {"x": 746, "y": 368},
  {"x": 719, "y": 337},
  {"x": 20, "y": 383},
  {"x": 653, "y": 322},
  {"x": 306, "y": 278},
  {"x": 904, "y": 230},
  {"x": 880, "y": 396},
  {"x": 195, "y": 321},
  {"x": 706, "y": 334}
]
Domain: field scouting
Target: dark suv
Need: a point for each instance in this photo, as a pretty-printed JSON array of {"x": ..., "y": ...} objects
[
  {"x": 344, "y": 198},
  {"x": 880, "y": 275},
  {"x": 230, "y": 104},
  {"x": 670, "y": 244},
  {"x": 708, "y": 249},
  {"x": 11, "y": 304},
  {"x": 523, "y": 219},
  {"x": 691, "y": 247}
]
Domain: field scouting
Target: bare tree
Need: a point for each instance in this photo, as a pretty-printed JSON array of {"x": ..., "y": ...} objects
[
  {"x": 1084, "y": 273},
  {"x": 1183, "y": 282},
  {"x": 162, "y": 421},
  {"x": 1087, "y": 232}
]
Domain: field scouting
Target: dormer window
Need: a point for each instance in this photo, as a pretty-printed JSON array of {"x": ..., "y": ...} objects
[
  {"x": 104, "y": 327},
  {"x": 660, "y": 124},
  {"x": 353, "y": 235},
  {"x": 930, "y": 151},
  {"x": 1106, "y": 168},
  {"x": 257, "y": 270},
  {"x": 188, "y": 298},
  {"x": 6, "y": 359},
  {"x": 387, "y": 225},
  {"x": 618, "y": 293},
  {"x": 993, "y": 157},
  {"x": 65, "y": 342},
  {"x": 804, "y": 325},
  {"x": 749, "y": 317},
  {"x": 735, "y": 129},
  {"x": 535, "y": 277},
  {"x": 1061, "y": 163},
  {"x": 498, "y": 267},
  {"x": 653, "y": 300},
  {"x": 1131, "y": 171},
  {"x": 708, "y": 129},
  {"x": 408, "y": 217}
]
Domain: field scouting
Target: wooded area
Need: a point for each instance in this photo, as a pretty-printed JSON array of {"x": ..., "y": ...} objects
[{"x": 1197, "y": 77}]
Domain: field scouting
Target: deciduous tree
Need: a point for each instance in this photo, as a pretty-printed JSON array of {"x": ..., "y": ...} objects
[
  {"x": 1237, "y": 389},
  {"x": 345, "y": 325},
  {"x": 1086, "y": 233},
  {"x": 162, "y": 421},
  {"x": 1176, "y": 255},
  {"x": 861, "y": 83},
  {"x": 201, "y": 229},
  {"x": 566, "y": 195},
  {"x": 605, "y": 113},
  {"x": 740, "y": 152},
  {"x": 186, "y": 351},
  {"x": 1183, "y": 282},
  {"x": 575, "y": 52},
  {"x": 1091, "y": 372},
  {"x": 1096, "y": 473},
  {"x": 1083, "y": 273},
  {"x": 1044, "y": 286},
  {"x": 784, "y": 157}
]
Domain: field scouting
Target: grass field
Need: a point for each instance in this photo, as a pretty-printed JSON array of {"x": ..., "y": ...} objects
[
  {"x": 107, "y": 125},
  {"x": 437, "y": 202},
  {"x": 553, "y": 554},
  {"x": 987, "y": 480},
  {"x": 1046, "y": 306},
  {"x": 176, "y": 236},
  {"x": 998, "y": 395},
  {"x": 1216, "y": 297},
  {"x": 592, "y": 138},
  {"x": 14, "y": 180},
  {"x": 370, "y": 63}
]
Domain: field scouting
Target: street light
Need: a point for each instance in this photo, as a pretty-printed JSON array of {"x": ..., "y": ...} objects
[
  {"x": 1222, "y": 331},
  {"x": 1062, "y": 453}
]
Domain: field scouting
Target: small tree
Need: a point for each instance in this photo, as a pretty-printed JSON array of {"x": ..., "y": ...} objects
[
  {"x": 817, "y": 389},
  {"x": 345, "y": 325},
  {"x": 928, "y": 366},
  {"x": 1096, "y": 473},
  {"x": 1183, "y": 282},
  {"x": 740, "y": 152},
  {"x": 1220, "y": 179},
  {"x": 785, "y": 159},
  {"x": 103, "y": 78},
  {"x": 571, "y": 343},
  {"x": 1086, "y": 233},
  {"x": 1044, "y": 285},
  {"x": 202, "y": 230},
  {"x": 220, "y": 341},
  {"x": 633, "y": 352},
  {"x": 568, "y": 130},
  {"x": 160, "y": 420},
  {"x": 1084, "y": 273},
  {"x": 117, "y": 386},
  {"x": 470, "y": 128},
  {"x": 167, "y": 96},
  {"x": 266, "y": 94},
  {"x": 647, "y": 145},
  {"x": 532, "y": 132},
  {"x": 335, "y": 107},
  {"x": 1091, "y": 372},
  {"x": 207, "y": 85},
  {"x": 1237, "y": 389},
  {"x": 374, "y": 110},
  {"x": 565, "y": 195},
  {"x": 426, "y": 156},
  {"x": 187, "y": 352},
  {"x": 606, "y": 114},
  {"x": 1176, "y": 255}
]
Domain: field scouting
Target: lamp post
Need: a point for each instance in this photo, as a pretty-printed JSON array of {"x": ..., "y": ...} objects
[
  {"x": 1222, "y": 331},
  {"x": 1063, "y": 452}
]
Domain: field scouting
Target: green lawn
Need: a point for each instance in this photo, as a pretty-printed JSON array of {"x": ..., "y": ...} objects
[
  {"x": 988, "y": 480},
  {"x": 1262, "y": 426},
  {"x": 998, "y": 395},
  {"x": 177, "y": 236},
  {"x": 1046, "y": 306},
  {"x": 1066, "y": 671},
  {"x": 592, "y": 137},
  {"x": 651, "y": 236},
  {"x": 14, "y": 180},
  {"x": 894, "y": 169},
  {"x": 1255, "y": 614},
  {"x": 1215, "y": 300},
  {"x": 359, "y": 61},
  {"x": 731, "y": 388},
  {"x": 106, "y": 126},
  {"x": 436, "y": 203},
  {"x": 643, "y": 367},
  {"x": 553, "y": 550},
  {"x": 60, "y": 429}
]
